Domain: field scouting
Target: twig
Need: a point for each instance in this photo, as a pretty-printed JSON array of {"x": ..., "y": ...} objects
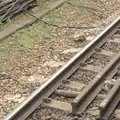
[
  {"x": 54, "y": 25},
  {"x": 9, "y": 10},
  {"x": 88, "y": 8}
]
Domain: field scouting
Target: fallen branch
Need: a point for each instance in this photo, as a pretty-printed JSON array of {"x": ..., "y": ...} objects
[
  {"x": 11, "y": 7},
  {"x": 54, "y": 25}
]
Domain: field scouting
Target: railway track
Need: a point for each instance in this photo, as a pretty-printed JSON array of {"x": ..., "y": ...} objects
[{"x": 80, "y": 95}]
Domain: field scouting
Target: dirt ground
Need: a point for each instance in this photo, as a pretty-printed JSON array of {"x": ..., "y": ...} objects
[{"x": 30, "y": 56}]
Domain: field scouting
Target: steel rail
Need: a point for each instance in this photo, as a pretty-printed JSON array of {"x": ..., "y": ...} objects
[
  {"x": 35, "y": 99},
  {"x": 80, "y": 103},
  {"x": 109, "y": 104}
]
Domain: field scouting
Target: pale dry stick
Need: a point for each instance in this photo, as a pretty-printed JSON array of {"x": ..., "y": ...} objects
[{"x": 9, "y": 9}]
